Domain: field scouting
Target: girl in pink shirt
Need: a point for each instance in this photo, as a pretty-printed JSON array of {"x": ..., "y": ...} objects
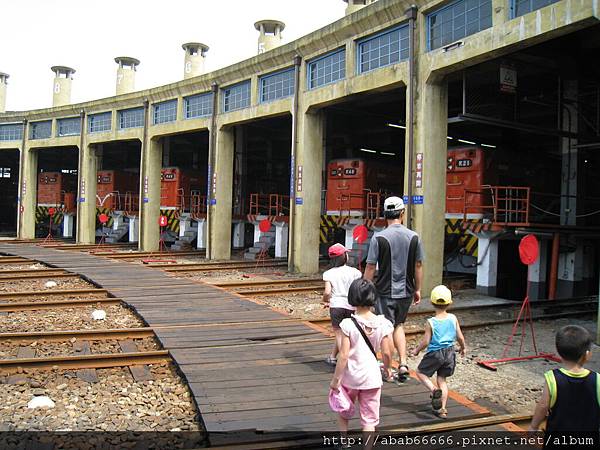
[{"x": 357, "y": 370}]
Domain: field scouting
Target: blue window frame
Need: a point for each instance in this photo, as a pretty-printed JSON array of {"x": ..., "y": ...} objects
[
  {"x": 327, "y": 69},
  {"x": 458, "y": 20},
  {"x": 236, "y": 96},
  {"x": 277, "y": 85},
  {"x": 165, "y": 111},
  {"x": 100, "y": 122},
  {"x": 131, "y": 118},
  {"x": 68, "y": 127},
  {"x": 11, "y": 132},
  {"x": 383, "y": 49},
  {"x": 200, "y": 105},
  {"x": 40, "y": 130},
  {"x": 521, "y": 7}
]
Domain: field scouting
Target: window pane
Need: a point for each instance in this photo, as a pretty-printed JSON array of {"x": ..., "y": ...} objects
[
  {"x": 68, "y": 127},
  {"x": 198, "y": 105},
  {"x": 131, "y": 118},
  {"x": 236, "y": 97},
  {"x": 327, "y": 69},
  {"x": 277, "y": 85},
  {"x": 99, "y": 122},
  {"x": 385, "y": 49},
  {"x": 40, "y": 130},
  {"x": 11, "y": 132},
  {"x": 165, "y": 112},
  {"x": 458, "y": 20}
]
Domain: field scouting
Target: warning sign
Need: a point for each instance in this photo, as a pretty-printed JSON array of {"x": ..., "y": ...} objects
[{"x": 508, "y": 79}]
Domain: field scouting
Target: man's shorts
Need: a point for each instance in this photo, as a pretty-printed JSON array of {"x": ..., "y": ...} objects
[
  {"x": 339, "y": 314},
  {"x": 394, "y": 309},
  {"x": 442, "y": 361}
]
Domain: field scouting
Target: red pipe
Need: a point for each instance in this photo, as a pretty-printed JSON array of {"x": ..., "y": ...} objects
[{"x": 554, "y": 267}]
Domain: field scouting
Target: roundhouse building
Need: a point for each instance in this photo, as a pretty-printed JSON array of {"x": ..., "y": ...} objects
[{"x": 393, "y": 82}]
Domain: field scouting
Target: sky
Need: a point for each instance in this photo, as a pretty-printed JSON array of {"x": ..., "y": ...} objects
[{"x": 87, "y": 35}]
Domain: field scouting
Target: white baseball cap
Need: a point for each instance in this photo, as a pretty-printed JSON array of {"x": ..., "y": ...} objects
[{"x": 393, "y": 204}]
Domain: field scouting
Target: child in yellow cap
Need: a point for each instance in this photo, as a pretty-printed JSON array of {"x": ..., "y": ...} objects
[{"x": 441, "y": 331}]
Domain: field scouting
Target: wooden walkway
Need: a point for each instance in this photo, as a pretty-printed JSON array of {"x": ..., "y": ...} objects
[{"x": 248, "y": 367}]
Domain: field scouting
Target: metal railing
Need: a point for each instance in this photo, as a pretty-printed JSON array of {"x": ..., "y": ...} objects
[
  {"x": 198, "y": 206},
  {"x": 503, "y": 205},
  {"x": 279, "y": 205}
]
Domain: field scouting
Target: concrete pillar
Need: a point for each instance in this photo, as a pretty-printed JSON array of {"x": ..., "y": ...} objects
[
  {"x": 239, "y": 233},
  {"x": 571, "y": 262},
  {"x": 270, "y": 34},
  {"x": 222, "y": 191},
  {"x": 61, "y": 89},
  {"x": 126, "y": 74},
  {"x": 3, "y": 82},
  {"x": 201, "y": 238},
  {"x": 430, "y": 131},
  {"x": 487, "y": 268},
  {"x": 150, "y": 196},
  {"x": 27, "y": 192},
  {"x": 307, "y": 210},
  {"x": 134, "y": 229},
  {"x": 86, "y": 202},
  {"x": 195, "y": 52},
  {"x": 281, "y": 240},
  {"x": 537, "y": 273},
  {"x": 68, "y": 220}
]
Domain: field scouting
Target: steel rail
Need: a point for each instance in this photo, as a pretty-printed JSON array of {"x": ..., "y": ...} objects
[
  {"x": 224, "y": 267},
  {"x": 228, "y": 284},
  {"x": 55, "y": 274},
  {"x": 321, "y": 321},
  {"x": 93, "y": 335},
  {"x": 210, "y": 263},
  {"x": 464, "y": 424},
  {"x": 97, "y": 361},
  {"x": 34, "y": 306},
  {"x": 20, "y": 294},
  {"x": 134, "y": 255},
  {"x": 293, "y": 290},
  {"x": 24, "y": 271}
]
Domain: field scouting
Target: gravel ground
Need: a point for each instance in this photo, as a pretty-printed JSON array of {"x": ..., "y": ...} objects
[
  {"x": 16, "y": 267},
  {"x": 9, "y": 349},
  {"x": 38, "y": 285},
  {"x": 79, "y": 318},
  {"x": 115, "y": 403}
]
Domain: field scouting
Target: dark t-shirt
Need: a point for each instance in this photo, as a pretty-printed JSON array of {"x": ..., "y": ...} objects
[{"x": 389, "y": 249}]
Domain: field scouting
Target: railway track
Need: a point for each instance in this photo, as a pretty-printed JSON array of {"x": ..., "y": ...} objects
[{"x": 324, "y": 322}]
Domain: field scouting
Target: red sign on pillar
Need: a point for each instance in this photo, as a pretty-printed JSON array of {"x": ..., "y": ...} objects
[{"x": 163, "y": 221}]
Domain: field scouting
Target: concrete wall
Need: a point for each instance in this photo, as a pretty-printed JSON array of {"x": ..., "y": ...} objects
[{"x": 506, "y": 35}]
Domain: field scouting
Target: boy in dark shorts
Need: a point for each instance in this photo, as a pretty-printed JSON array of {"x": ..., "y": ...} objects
[
  {"x": 570, "y": 401},
  {"x": 441, "y": 331}
]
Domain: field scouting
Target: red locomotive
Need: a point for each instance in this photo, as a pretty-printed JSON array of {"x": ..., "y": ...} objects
[
  {"x": 350, "y": 181},
  {"x": 178, "y": 185},
  {"x": 465, "y": 171},
  {"x": 113, "y": 186},
  {"x": 57, "y": 189}
]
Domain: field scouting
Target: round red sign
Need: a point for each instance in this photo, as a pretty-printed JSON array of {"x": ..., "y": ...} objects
[
  {"x": 163, "y": 221},
  {"x": 264, "y": 225},
  {"x": 103, "y": 218},
  {"x": 51, "y": 211},
  {"x": 360, "y": 233},
  {"x": 529, "y": 249}
]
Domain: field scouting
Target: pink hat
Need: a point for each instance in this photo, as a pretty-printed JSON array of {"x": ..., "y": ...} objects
[
  {"x": 337, "y": 250},
  {"x": 340, "y": 402}
]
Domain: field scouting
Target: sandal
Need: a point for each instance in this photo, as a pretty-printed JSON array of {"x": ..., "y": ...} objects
[
  {"x": 436, "y": 400},
  {"x": 331, "y": 361},
  {"x": 402, "y": 375},
  {"x": 442, "y": 413}
]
